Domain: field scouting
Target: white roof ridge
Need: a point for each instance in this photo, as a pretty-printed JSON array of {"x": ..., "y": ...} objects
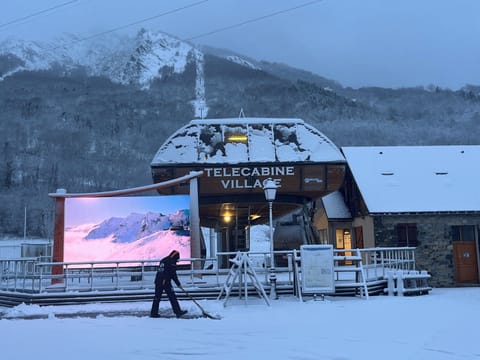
[{"x": 247, "y": 120}]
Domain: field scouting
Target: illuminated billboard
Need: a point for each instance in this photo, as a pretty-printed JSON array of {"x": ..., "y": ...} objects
[{"x": 126, "y": 228}]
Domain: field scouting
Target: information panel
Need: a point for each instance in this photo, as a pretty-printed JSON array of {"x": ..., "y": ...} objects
[{"x": 317, "y": 269}]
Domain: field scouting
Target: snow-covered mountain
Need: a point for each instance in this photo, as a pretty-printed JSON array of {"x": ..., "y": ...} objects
[
  {"x": 123, "y": 59},
  {"x": 137, "y": 236},
  {"x": 137, "y": 226}
]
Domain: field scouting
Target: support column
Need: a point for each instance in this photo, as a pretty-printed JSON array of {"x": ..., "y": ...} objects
[
  {"x": 58, "y": 235},
  {"x": 195, "y": 239}
]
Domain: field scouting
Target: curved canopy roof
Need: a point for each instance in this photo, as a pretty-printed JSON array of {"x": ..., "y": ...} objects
[{"x": 243, "y": 140}]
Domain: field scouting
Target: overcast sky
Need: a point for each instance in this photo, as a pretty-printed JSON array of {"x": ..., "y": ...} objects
[{"x": 388, "y": 43}]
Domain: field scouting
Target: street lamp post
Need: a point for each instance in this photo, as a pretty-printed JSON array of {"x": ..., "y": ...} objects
[{"x": 270, "y": 189}]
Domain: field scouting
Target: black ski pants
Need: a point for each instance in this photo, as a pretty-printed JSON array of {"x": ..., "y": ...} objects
[{"x": 160, "y": 287}]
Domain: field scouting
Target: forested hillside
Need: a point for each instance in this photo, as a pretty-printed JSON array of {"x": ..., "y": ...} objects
[{"x": 68, "y": 129}]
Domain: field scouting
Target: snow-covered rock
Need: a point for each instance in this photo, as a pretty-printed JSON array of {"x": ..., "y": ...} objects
[{"x": 238, "y": 60}]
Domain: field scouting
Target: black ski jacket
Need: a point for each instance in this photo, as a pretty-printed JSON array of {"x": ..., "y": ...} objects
[{"x": 167, "y": 271}]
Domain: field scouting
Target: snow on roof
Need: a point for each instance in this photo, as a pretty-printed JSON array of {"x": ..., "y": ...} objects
[
  {"x": 241, "y": 140},
  {"x": 335, "y": 207},
  {"x": 417, "y": 178}
]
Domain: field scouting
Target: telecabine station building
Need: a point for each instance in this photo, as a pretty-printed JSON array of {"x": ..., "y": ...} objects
[
  {"x": 425, "y": 197},
  {"x": 236, "y": 156}
]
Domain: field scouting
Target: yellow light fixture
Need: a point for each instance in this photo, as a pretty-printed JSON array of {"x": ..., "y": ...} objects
[
  {"x": 254, "y": 216},
  {"x": 237, "y": 138},
  {"x": 227, "y": 211}
]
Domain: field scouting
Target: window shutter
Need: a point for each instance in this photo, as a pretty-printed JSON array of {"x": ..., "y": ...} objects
[{"x": 407, "y": 235}]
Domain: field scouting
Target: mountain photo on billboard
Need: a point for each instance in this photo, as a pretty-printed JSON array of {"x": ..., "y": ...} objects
[{"x": 126, "y": 228}]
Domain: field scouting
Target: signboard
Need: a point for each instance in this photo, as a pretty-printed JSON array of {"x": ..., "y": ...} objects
[
  {"x": 230, "y": 179},
  {"x": 126, "y": 228},
  {"x": 317, "y": 269}
]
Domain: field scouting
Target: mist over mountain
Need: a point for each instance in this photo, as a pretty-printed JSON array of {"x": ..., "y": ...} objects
[{"x": 89, "y": 116}]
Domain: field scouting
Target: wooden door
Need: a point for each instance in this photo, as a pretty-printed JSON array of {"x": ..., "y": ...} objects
[
  {"x": 466, "y": 266},
  {"x": 359, "y": 237}
]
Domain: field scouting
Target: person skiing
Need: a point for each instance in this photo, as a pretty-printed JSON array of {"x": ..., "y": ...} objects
[{"x": 167, "y": 271}]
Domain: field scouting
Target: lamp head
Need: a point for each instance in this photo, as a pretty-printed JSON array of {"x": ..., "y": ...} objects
[{"x": 270, "y": 189}]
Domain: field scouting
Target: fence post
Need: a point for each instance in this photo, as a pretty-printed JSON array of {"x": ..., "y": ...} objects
[
  {"x": 400, "y": 284},
  {"x": 290, "y": 266},
  {"x": 40, "y": 285},
  {"x": 390, "y": 283}
]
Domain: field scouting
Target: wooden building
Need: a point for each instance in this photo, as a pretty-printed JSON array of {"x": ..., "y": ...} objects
[
  {"x": 236, "y": 157},
  {"x": 426, "y": 197}
]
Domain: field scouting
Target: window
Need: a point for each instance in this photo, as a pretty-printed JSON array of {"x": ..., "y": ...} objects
[
  {"x": 407, "y": 234},
  {"x": 463, "y": 233},
  {"x": 343, "y": 239}
]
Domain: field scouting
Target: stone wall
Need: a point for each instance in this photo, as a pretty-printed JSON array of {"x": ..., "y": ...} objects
[{"x": 434, "y": 252}]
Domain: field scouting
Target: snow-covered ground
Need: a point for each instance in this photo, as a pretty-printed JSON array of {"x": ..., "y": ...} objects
[{"x": 441, "y": 325}]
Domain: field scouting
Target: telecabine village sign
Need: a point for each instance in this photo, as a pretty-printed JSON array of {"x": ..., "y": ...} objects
[
  {"x": 306, "y": 180},
  {"x": 248, "y": 177}
]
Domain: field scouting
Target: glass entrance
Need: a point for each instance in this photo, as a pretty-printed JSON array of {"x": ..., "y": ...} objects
[{"x": 343, "y": 240}]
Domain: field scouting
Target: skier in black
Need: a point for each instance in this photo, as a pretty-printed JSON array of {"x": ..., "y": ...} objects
[{"x": 167, "y": 271}]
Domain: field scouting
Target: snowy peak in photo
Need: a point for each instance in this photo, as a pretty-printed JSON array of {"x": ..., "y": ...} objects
[{"x": 137, "y": 226}]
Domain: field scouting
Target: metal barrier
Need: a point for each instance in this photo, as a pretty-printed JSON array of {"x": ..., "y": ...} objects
[
  {"x": 30, "y": 275},
  {"x": 378, "y": 261}
]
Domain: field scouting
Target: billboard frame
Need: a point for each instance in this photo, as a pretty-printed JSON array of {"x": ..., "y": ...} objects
[{"x": 59, "y": 223}]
